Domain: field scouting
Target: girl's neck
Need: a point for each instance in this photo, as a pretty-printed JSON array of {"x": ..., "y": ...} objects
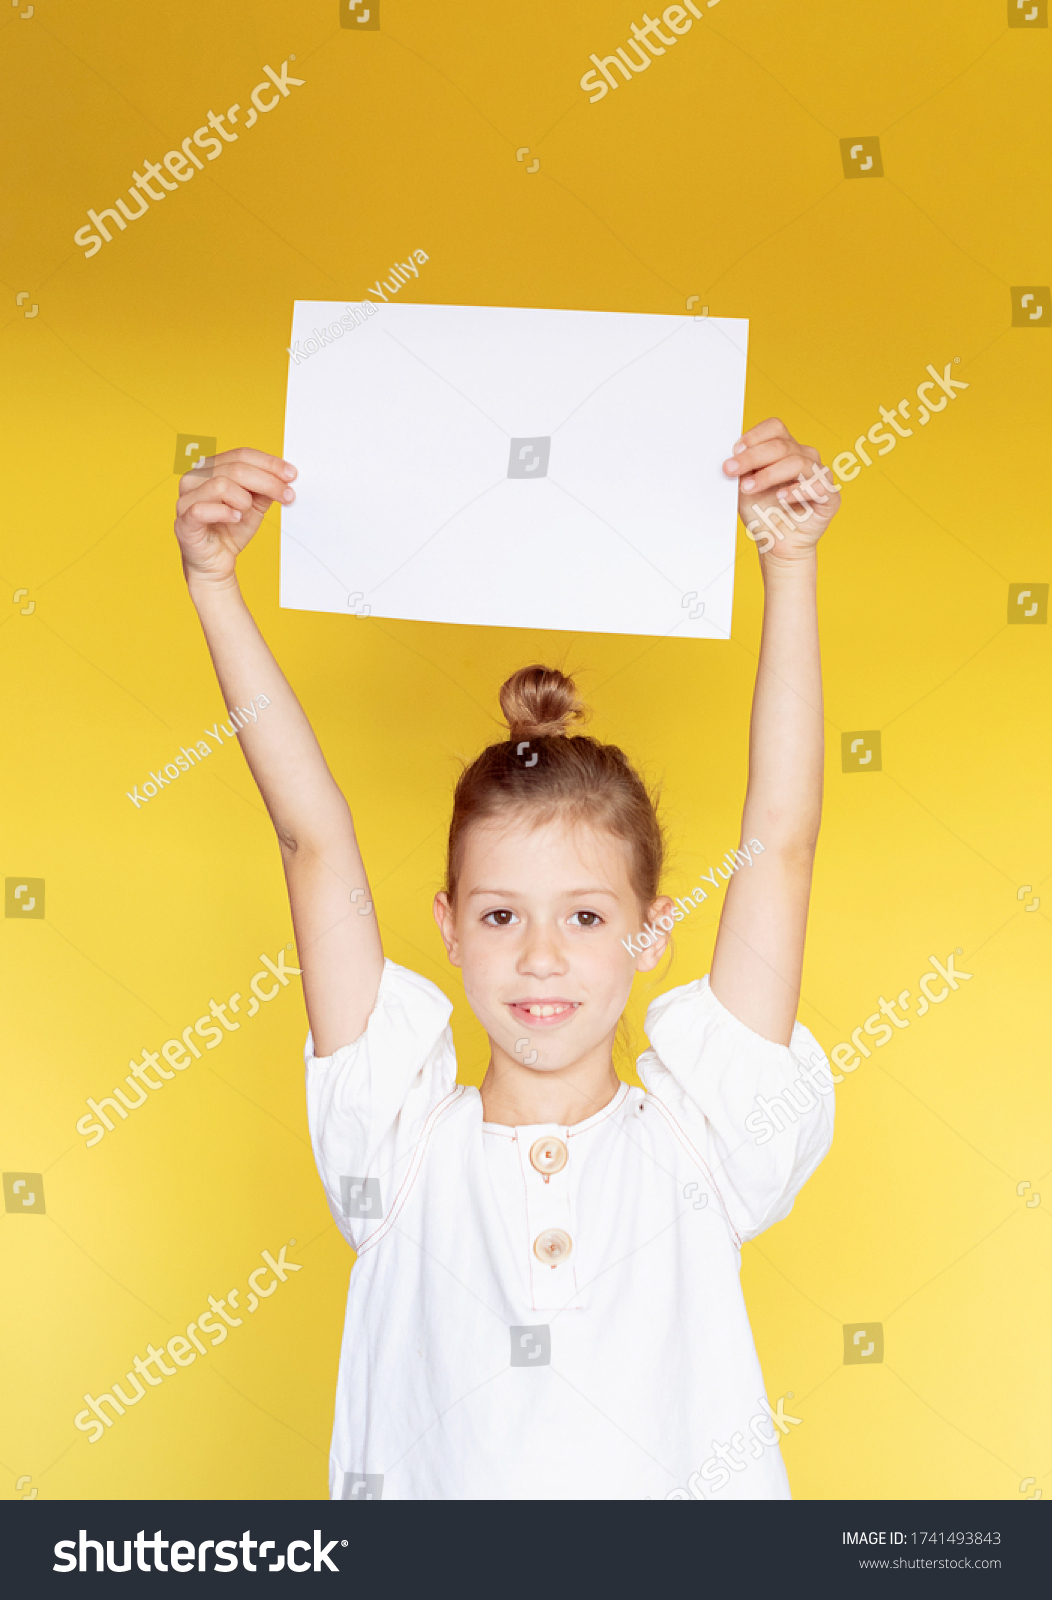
[{"x": 514, "y": 1095}]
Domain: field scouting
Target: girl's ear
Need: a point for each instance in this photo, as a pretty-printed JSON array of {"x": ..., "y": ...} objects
[
  {"x": 649, "y": 959},
  {"x": 447, "y": 926}
]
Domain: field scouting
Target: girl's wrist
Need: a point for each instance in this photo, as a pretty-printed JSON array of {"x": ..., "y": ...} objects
[
  {"x": 792, "y": 569},
  {"x": 203, "y": 590}
]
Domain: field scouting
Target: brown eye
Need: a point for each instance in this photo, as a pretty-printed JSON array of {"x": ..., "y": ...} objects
[
  {"x": 503, "y": 919},
  {"x": 593, "y": 919}
]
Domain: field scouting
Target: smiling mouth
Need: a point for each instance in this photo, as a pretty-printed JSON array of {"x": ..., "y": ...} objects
[{"x": 542, "y": 1013}]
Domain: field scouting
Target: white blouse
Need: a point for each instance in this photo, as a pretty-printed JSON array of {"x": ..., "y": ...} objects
[{"x": 555, "y": 1312}]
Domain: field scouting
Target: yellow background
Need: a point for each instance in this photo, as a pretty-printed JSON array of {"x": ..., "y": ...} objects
[{"x": 715, "y": 173}]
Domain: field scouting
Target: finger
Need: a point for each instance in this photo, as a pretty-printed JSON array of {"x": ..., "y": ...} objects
[
  {"x": 258, "y": 479},
  {"x": 203, "y": 513},
  {"x": 799, "y": 495},
  {"x": 259, "y": 458},
  {"x": 222, "y": 490},
  {"x": 253, "y": 478},
  {"x": 758, "y": 455},
  {"x": 786, "y": 471},
  {"x": 792, "y": 497},
  {"x": 771, "y": 428},
  {"x": 811, "y": 487},
  {"x": 746, "y": 456}
]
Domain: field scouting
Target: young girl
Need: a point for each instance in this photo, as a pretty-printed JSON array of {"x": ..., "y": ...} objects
[{"x": 546, "y": 1301}]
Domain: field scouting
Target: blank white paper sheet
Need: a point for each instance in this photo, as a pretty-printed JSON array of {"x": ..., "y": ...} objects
[{"x": 514, "y": 468}]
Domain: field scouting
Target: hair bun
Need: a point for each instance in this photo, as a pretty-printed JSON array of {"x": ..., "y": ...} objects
[{"x": 540, "y": 702}]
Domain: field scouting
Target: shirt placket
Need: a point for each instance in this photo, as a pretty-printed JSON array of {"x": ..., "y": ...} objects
[{"x": 549, "y": 1218}]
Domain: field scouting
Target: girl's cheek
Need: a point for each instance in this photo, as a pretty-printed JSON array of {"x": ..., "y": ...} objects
[{"x": 481, "y": 961}]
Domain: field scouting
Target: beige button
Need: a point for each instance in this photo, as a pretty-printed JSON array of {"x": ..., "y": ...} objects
[
  {"x": 552, "y": 1246},
  {"x": 549, "y": 1155}
]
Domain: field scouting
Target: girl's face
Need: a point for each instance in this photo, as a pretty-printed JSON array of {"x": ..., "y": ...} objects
[{"x": 541, "y": 913}]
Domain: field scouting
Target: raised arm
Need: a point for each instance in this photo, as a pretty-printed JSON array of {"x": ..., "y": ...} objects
[
  {"x": 758, "y": 959},
  {"x": 337, "y": 939}
]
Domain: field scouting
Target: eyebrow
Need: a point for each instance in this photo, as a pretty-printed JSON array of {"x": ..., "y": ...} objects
[{"x": 571, "y": 894}]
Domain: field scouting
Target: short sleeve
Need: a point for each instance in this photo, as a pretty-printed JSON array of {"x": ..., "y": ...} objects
[
  {"x": 757, "y": 1115},
  {"x": 368, "y": 1102}
]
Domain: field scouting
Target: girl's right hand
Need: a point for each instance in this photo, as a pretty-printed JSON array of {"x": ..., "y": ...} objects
[{"x": 217, "y": 513}]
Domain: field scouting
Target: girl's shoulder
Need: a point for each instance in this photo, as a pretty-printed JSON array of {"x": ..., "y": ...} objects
[
  {"x": 409, "y": 1009},
  {"x": 689, "y": 1023},
  {"x": 683, "y": 1009}
]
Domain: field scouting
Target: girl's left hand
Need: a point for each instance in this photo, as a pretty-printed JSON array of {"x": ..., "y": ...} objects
[{"x": 782, "y": 515}]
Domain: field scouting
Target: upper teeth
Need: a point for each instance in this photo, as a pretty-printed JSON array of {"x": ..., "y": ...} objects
[{"x": 545, "y": 1011}]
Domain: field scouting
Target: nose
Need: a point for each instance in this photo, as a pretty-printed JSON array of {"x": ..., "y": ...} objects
[{"x": 541, "y": 954}]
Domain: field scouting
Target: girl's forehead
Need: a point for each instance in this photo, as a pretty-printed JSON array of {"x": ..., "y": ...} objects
[{"x": 561, "y": 846}]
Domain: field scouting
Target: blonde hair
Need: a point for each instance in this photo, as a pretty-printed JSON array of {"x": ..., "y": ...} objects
[{"x": 542, "y": 770}]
